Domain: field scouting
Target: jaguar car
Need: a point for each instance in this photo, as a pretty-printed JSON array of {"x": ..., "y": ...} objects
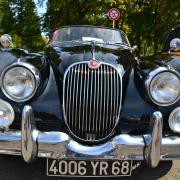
[{"x": 89, "y": 104}]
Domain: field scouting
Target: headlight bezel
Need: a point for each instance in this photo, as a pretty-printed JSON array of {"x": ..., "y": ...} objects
[
  {"x": 171, "y": 121},
  {"x": 32, "y": 69},
  {"x": 9, "y": 120},
  {"x": 151, "y": 76}
]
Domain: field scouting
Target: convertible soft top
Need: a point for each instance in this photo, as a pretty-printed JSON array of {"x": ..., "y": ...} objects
[{"x": 169, "y": 35}]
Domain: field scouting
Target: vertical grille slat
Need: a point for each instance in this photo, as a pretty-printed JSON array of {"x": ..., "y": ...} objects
[
  {"x": 91, "y": 127},
  {"x": 114, "y": 95},
  {"x": 91, "y": 100},
  {"x": 97, "y": 103},
  {"x": 76, "y": 99},
  {"x": 79, "y": 96},
  {"x": 94, "y": 102},
  {"x": 70, "y": 95},
  {"x": 107, "y": 101},
  {"x": 111, "y": 97},
  {"x": 118, "y": 94},
  {"x": 87, "y": 100},
  {"x": 84, "y": 99},
  {"x": 73, "y": 97},
  {"x": 104, "y": 100},
  {"x": 100, "y": 108}
]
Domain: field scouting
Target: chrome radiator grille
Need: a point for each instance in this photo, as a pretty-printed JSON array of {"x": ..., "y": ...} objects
[{"x": 91, "y": 100}]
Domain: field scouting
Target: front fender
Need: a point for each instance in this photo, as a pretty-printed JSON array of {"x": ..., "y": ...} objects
[{"x": 46, "y": 104}]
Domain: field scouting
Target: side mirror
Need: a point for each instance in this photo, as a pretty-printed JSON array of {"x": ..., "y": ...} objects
[
  {"x": 135, "y": 50},
  {"x": 6, "y": 41},
  {"x": 175, "y": 44}
]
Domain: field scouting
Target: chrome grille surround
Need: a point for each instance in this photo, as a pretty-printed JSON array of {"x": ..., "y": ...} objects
[{"x": 90, "y": 113}]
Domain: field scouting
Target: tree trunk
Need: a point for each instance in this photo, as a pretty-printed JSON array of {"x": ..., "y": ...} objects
[{"x": 155, "y": 26}]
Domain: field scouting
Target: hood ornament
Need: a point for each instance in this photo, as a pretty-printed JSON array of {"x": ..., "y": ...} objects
[{"x": 93, "y": 63}]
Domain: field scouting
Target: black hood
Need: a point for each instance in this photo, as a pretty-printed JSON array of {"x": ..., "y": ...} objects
[{"x": 63, "y": 55}]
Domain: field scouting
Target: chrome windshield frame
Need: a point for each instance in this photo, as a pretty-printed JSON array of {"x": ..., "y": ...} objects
[{"x": 89, "y": 26}]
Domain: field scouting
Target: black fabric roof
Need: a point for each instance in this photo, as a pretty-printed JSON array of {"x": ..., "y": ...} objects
[{"x": 169, "y": 35}]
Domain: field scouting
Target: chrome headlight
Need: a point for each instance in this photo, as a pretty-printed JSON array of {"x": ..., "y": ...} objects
[
  {"x": 174, "y": 120},
  {"x": 163, "y": 86},
  {"x": 6, "y": 114},
  {"x": 19, "y": 81}
]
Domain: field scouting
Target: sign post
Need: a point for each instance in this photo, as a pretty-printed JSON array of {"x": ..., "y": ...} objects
[
  {"x": 113, "y": 24},
  {"x": 114, "y": 15}
]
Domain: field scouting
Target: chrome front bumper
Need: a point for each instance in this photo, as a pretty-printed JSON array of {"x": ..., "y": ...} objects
[{"x": 31, "y": 143}]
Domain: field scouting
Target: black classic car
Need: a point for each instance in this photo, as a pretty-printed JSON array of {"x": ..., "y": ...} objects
[{"x": 89, "y": 106}]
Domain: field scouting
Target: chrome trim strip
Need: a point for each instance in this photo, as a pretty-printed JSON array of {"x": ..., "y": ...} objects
[
  {"x": 28, "y": 66},
  {"x": 150, "y": 77},
  {"x": 93, "y": 50}
]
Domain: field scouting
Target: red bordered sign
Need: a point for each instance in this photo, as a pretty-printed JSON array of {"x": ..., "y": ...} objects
[{"x": 114, "y": 14}]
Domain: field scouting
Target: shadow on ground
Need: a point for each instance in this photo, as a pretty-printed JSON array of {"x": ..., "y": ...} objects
[{"x": 14, "y": 168}]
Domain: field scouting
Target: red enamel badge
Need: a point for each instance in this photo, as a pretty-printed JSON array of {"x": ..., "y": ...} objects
[{"x": 94, "y": 64}]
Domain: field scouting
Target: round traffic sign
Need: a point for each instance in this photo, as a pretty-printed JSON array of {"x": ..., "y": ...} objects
[{"x": 114, "y": 14}]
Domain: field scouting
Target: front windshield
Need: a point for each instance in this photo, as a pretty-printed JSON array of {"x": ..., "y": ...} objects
[{"x": 86, "y": 33}]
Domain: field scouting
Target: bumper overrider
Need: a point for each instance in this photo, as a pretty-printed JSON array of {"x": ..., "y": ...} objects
[{"x": 31, "y": 143}]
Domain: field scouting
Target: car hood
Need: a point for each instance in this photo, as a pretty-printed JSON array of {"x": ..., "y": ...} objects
[{"x": 64, "y": 55}]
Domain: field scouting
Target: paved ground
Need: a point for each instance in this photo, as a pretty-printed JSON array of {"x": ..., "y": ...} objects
[{"x": 13, "y": 168}]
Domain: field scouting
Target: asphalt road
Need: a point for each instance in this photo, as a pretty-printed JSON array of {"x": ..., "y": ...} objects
[{"x": 14, "y": 168}]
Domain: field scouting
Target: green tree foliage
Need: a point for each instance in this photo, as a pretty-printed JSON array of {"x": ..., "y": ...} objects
[
  {"x": 21, "y": 21},
  {"x": 1, "y": 12},
  {"x": 60, "y": 12},
  {"x": 144, "y": 21}
]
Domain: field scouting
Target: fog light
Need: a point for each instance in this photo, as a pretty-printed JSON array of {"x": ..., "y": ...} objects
[
  {"x": 174, "y": 120},
  {"x": 6, "y": 114}
]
